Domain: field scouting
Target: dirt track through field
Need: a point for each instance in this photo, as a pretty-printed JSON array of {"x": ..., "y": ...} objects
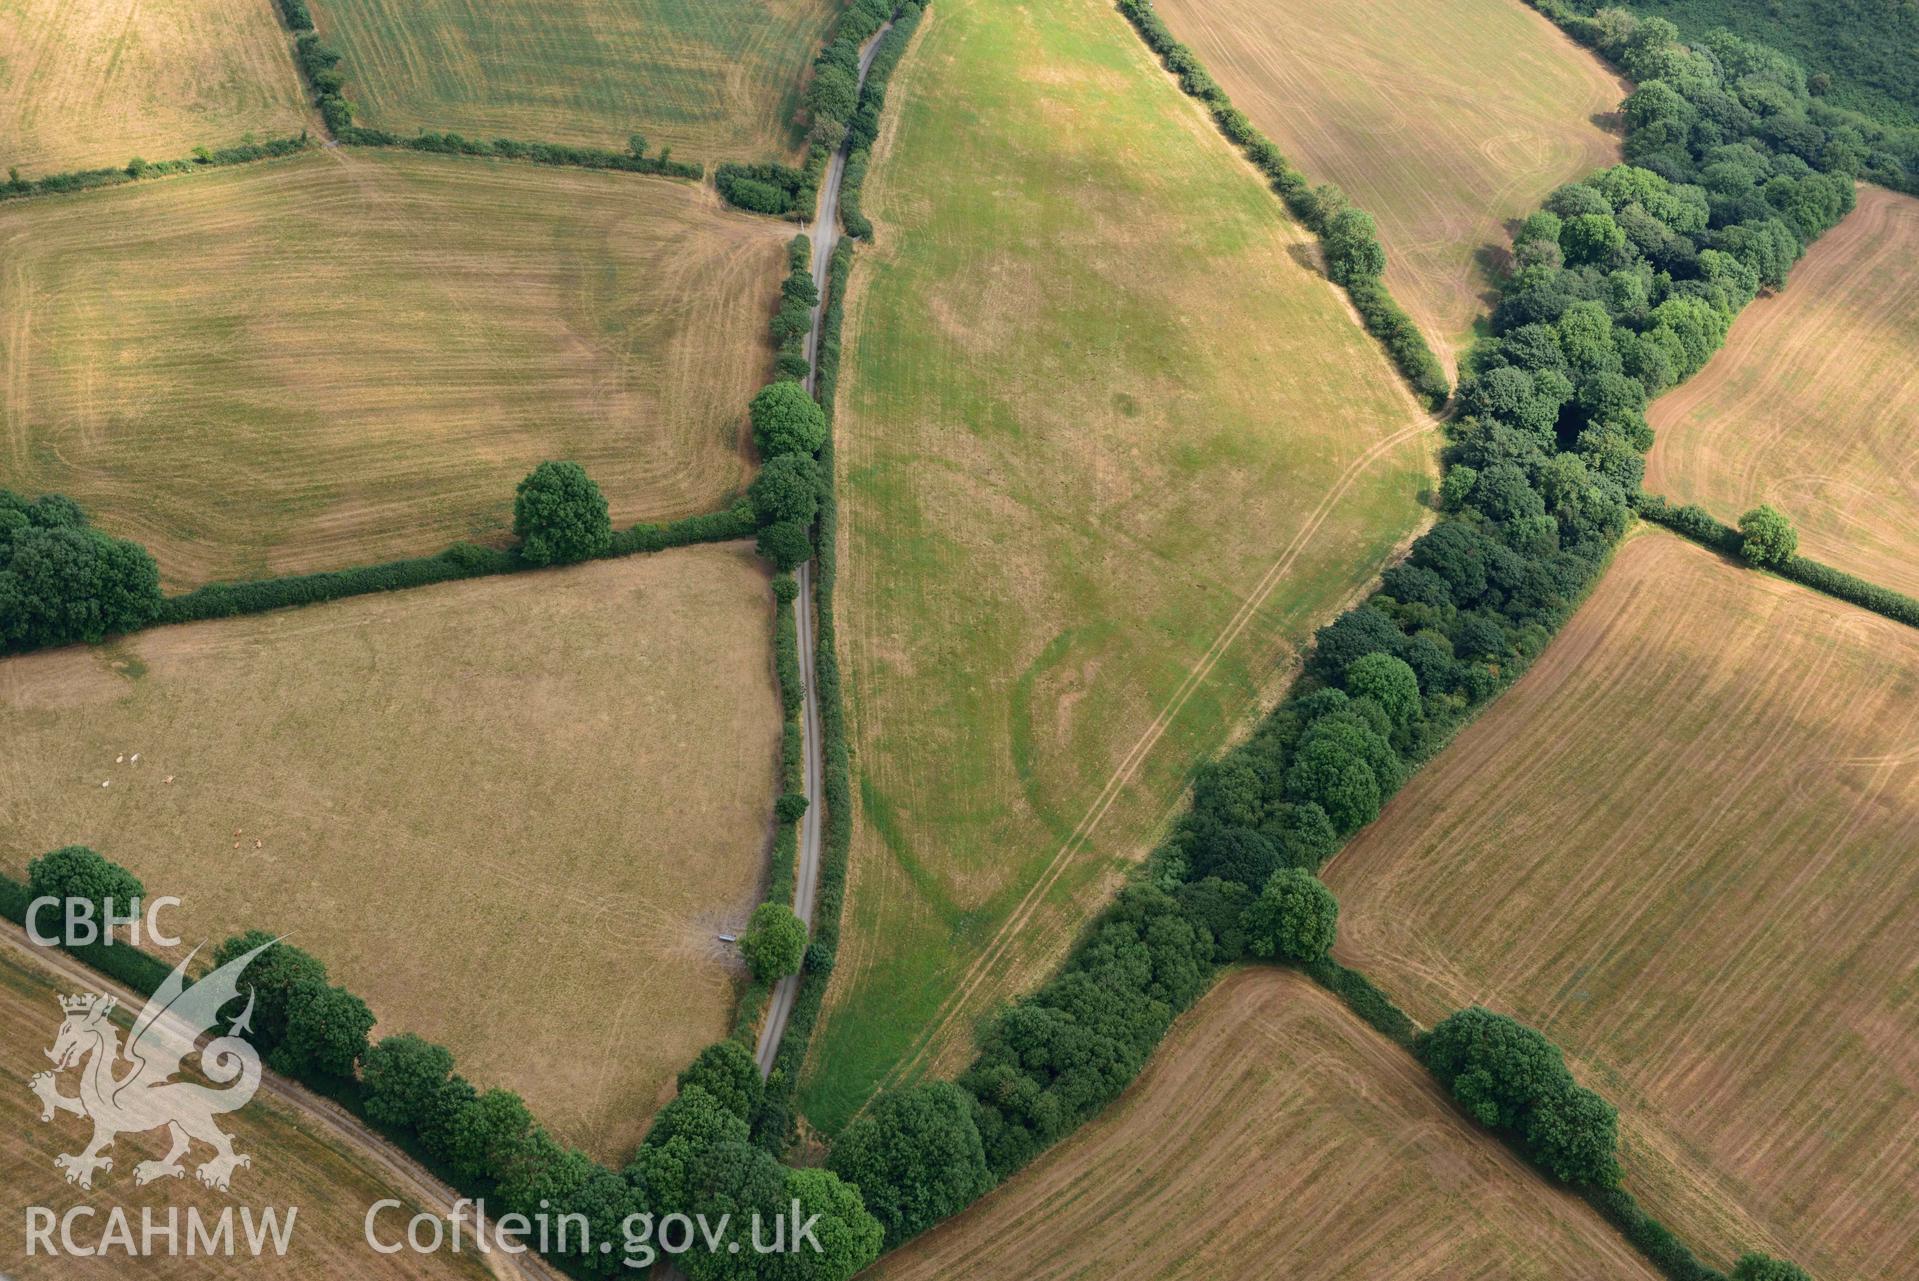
[
  {"x": 1683, "y": 846},
  {"x": 1273, "y": 1135},
  {"x": 1813, "y": 405}
]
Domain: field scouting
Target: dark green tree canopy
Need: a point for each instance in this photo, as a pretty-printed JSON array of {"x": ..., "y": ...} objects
[
  {"x": 787, "y": 489},
  {"x": 1514, "y": 1080},
  {"x": 786, "y": 545},
  {"x": 61, "y": 581},
  {"x": 560, "y": 516},
  {"x": 916, "y": 1157},
  {"x": 774, "y": 942},
  {"x": 1763, "y": 1267},
  {"x": 1295, "y": 918},
  {"x": 786, "y": 420},
  {"x": 79, "y": 873},
  {"x": 726, "y": 1070},
  {"x": 274, "y": 976},
  {"x": 1769, "y": 538},
  {"x": 1389, "y": 682}
]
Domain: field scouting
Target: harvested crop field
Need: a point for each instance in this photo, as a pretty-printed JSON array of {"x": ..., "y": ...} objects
[
  {"x": 1813, "y": 406},
  {"x": 1682, "y": 846},
  {"x": 343, "y": 358},
  {"x": 378, "y": 779},
  {"x": 294, "y": 1165},
  {"x": 92, "y": 85},
  {"x": 1273, "y": 1134},
  {"x": 1441, "y": 118},
  {"x": 717, "y": 81},
  {"x": 1109, "y": 449}
]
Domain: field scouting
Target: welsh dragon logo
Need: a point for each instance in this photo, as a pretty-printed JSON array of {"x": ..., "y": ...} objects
[{"x": 133, "y": 1091}]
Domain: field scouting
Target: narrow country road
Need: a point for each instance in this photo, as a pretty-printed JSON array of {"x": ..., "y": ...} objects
[
  {"x": 405, "y": 1176},
  {"x": 825, "y": 232}
]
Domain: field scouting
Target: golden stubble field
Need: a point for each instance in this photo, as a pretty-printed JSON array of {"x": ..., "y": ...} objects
[
  {"x": 94, "y": 84},
  {"x": 1683, "y": 847},
  {"x": 346, "y": 356},
  {"x": 294, "y": 1164},
  {"x": 1109, "y": 450},
  {"x": 1441, "y": 118},
  {"x": 511, "y": 813},
  {"x": 1274, "y": 1135},
  {"x": 1813, "y": 406}
]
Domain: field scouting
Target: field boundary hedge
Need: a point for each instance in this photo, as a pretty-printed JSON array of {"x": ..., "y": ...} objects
[
  {"x": 460, "y": 561},
  {"x": 776, "y": 1124},
  {"x": 1702, "y": 527},
  {"x": 138, "y": 170},
  {"x": 1354, "y": 256}
]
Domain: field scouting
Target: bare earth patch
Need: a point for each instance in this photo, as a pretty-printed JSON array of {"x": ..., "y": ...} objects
[
  {"x": 511, "y": 813},
  {"x": 1682, "y": 846},
  {"x": 1274, "y": 1135},
  {"x": 1813, "y": 406},
  {"x": 1441, "y": 118},
  {"x": 347, "y": 357}
]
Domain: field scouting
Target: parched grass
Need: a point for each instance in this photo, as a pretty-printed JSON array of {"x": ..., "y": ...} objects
[
  {"x": 1273, "y": 1134},
  {"x": 1682, "y": 846},
  {"x": 1812, "y": 405},
  {"x": 346, "y": 357},
  {"x": 1441, "y": 118},
  {"x": 1108, "y": 451},
  {"x": 718, "y": 80},
  {"x": 293, "y": 1165},
  {"x": 87, "y": 85},
  {"x": 512, "y": 813}
]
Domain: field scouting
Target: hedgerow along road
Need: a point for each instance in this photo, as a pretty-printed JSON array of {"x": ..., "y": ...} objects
[{"x": 825, "y": 233}]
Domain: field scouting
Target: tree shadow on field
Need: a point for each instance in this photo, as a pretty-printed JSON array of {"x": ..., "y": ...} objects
[{"x": 1613, "y": 122}]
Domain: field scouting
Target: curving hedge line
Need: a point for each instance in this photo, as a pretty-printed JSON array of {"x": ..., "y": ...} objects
[
  {"x": 1702, "y": 527},
  {"x": 1354, "y": 256}
]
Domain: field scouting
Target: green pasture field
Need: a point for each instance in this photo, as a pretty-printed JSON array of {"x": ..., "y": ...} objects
[{"x": 1109, "y": 448}]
